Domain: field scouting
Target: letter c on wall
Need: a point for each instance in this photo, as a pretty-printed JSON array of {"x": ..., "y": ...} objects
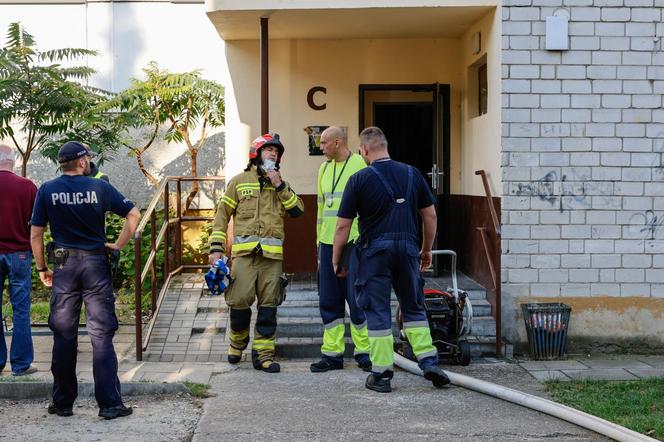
[{"x": 310, "y": 97}]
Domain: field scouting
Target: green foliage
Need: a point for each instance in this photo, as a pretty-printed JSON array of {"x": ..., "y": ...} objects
[
  {"x": 48, "y": 102},
  {"x": 198, "y": 390},
  {"x": 637, "y": 405},
  {"x": 184, "y": 102}
]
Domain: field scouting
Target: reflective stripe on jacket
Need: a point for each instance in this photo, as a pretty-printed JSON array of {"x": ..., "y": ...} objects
[{"x": 258, "y": 216}]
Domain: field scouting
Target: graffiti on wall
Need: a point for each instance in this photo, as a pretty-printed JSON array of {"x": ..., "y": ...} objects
[
  {"x": 564, "y": 193},
  {"x": 648, "y": 223}
]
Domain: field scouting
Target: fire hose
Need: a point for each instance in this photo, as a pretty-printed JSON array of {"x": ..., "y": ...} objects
[{"x": 585, "y": 420}]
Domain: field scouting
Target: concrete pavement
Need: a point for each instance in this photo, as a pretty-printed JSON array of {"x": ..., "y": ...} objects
[{"x": 297, "y": 405}]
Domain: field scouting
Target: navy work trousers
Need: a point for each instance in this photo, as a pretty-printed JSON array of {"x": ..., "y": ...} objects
[
  {"x": 334, "y": 292},
  {"x": 84, "y": 279},
  {"x": 385, "y": 264}
]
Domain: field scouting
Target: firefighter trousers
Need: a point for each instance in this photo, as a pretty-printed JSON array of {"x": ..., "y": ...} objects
[{"x": 255, "y": 278}]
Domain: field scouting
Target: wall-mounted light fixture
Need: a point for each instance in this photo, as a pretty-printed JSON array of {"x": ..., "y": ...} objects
[{"x": 476, "y": 43}]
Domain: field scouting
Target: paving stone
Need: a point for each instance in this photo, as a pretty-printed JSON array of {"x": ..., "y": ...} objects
[
  {"x": 549, "y": 375},
  {"x": 617, "y": 363},
  {"x": 609, "y": 374},
  {"x": 654, "y": 361},
  {"x": 553, "y": 365},
  {"x": 647, "y": 372}
]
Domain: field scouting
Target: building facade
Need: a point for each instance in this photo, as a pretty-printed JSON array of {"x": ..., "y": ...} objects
[{"x": 571, "y": 137}]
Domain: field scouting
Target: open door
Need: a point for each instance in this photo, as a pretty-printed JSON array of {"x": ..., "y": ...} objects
[{"x": 416, "y": 122}]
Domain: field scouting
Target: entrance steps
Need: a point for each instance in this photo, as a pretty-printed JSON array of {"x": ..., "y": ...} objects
[
  {"x": 300, "y": 328},
  {"x": 192, "y": 326}
]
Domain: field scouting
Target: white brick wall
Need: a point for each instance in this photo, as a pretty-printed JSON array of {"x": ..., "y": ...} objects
[{"x": 583, "y": 142}]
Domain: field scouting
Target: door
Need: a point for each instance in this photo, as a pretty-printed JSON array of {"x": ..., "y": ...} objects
[{"x": 416, "y": 122}]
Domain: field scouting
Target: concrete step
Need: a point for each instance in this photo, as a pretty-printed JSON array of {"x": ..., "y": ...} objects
[
  {"x": 312, "y": 326},
  {"x": 310, "y": 347},
  {"x": 481, "y": 307},
  {"x": 213, "y": 323},
  {"x": 311, "y": 295},
  {"x": 308, "y": 327},
  {"x": 304, "y": 311},
  {"x": 484, "y": 326}
]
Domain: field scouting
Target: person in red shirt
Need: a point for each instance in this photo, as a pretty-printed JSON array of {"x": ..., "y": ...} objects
[{"x": 16, "y": 201}]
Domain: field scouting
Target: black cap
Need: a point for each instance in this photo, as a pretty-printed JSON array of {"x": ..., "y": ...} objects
[{"x": 72, "y": 150}]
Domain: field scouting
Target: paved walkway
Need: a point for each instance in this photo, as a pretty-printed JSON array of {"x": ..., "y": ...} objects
[
  {"x": 614, "y": 368},
  {"x": 129, "y": 369}
]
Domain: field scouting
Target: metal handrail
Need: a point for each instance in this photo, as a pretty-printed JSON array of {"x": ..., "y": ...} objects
[
  {"x": 494, "y": 274},
  {"x": 157, "y": 238},
  {"x": 487, "y": 192}
]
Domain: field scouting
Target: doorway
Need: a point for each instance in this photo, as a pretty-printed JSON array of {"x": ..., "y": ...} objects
[{"x": 416, "y": 121}]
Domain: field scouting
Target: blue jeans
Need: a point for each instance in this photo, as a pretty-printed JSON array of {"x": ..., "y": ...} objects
[{"x": 16, "y": 268}]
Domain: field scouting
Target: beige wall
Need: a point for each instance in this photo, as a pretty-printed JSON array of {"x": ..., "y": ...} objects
[
  {"x": 480, "y": 135},
  {"x": 338, "y": 65}
]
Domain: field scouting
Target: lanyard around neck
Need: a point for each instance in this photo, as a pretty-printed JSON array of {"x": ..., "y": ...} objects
[{"x": 334, "y": 173}]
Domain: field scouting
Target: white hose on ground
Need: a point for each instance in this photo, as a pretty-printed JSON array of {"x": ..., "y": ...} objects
[{"x": 560, "y": 411}]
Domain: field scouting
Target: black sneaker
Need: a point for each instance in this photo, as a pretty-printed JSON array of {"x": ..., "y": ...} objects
[
  {"x": 364, "y": 363},
  {"x": 325, "y": 365},
  {"x": 65, "y": 412},
  {"x": 437, "y": 376},
  {"x": 378, "y": 383},
  {"x": 113, "y": 412}
]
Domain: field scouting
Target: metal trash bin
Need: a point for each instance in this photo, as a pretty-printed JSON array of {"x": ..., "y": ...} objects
[{"x": 546, "y": 327}]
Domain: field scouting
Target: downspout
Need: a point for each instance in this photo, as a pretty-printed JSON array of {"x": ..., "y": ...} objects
[{"x": 265, "y": 84}]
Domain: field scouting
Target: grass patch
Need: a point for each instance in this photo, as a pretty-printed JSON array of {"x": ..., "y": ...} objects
[
  {"x": 9, "y": 379},
  {"x": 40, "y": 307},
  {"x": 198, "y": 390},
  {"x": 637, "y": 405}
]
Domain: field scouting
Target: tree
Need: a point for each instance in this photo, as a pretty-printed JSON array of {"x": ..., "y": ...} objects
[
  {"x": 46, "y": 100},
  {"x": 183, "y": 102}
]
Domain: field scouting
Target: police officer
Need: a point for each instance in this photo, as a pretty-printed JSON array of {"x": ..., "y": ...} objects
[
  {"x": 390, "y": 198},
  {"x": 74, "y": 205},
  {"x": 335, "y": 292}
]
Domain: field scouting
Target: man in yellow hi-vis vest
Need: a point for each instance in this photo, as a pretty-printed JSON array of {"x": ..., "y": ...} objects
[
  {"x": 334, "y": 291},
  {"x": 257, "y": 199},
  {"x": 96, "y": 173}
]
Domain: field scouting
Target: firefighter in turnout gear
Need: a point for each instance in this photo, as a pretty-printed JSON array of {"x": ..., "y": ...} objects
[
  {"x": 257, "y": 200},
  {"x": 333, "y": 291}
]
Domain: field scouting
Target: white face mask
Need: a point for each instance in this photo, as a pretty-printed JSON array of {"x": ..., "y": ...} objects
[{"x": 269, "y": 165}]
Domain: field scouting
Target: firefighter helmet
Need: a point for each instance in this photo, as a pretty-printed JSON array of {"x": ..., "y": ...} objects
[{"x": 266, "y": 140}]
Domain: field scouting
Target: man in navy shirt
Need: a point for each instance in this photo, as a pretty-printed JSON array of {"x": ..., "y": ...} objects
[
  {"x": 392, "y": 201},
  {"x": 74, "y": 205}
]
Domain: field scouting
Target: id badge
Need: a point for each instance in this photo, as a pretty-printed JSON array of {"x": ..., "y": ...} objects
[{"x": 329, "y": 200}]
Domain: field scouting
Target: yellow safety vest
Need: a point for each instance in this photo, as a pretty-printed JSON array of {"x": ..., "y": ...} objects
[{"x": 332, "y": 179}]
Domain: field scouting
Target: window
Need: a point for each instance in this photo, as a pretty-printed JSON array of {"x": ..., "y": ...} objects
[{"x": 482, "y": 90}]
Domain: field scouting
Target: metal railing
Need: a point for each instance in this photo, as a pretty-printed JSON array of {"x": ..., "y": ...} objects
[
  {"x": 495, "y": 273},
  {"x": 161, "y": 236}
]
